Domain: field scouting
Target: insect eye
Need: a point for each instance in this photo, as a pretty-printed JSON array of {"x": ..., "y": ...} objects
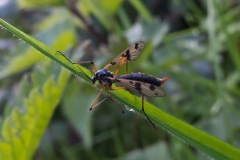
[
  {"x": 97, "y": 75},
  {"x": 93, "y": 79}
]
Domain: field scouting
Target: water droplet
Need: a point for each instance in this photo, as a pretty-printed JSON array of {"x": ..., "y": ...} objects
[{"x": 129, "y": 109}]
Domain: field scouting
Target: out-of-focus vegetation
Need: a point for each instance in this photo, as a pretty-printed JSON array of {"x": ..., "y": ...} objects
[{"x": 196, "y": 43}]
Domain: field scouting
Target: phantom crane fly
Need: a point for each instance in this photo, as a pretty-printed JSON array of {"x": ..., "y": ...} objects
[{"x": 145, "y": 84}]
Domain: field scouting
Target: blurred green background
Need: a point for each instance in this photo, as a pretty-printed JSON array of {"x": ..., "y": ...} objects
[{"x": 194, "y": 42}]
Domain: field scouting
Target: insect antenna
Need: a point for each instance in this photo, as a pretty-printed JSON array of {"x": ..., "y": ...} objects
[
  {"x": 64, "y": 56},
  {"x": 75, "y": 64},
  {"x": 82, "y": 71}
]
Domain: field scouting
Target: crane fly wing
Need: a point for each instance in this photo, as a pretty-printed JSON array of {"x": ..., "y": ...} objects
[
  {"x": 131, "y": 53},
  {"x": 146, "y": 89}
]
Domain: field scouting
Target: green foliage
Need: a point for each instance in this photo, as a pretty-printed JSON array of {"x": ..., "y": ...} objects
[
  {"x": 101, "y": 9},
  {"x": 195, "y": 43},
  {"x": 142, "y": 10},
  {"x": 157, "y": 150},
  {"x": 23, "y": 129},
  {"x": 59, "y": 33},
  {"x": 198, "y": 139},
  {"x": 37, "y": 3},
  {"x": 75, "y": 110}
]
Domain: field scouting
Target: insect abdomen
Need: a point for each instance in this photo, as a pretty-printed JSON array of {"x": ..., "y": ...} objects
[{"x": 141, "y": 77}]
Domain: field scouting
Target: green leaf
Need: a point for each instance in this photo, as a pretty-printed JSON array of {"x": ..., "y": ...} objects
[
  {"x": 139, "y": 6},
  {"x": 200, "y": 140},
  {"x": 110, "y": 6},
  {"x": 59, "y": 35},
  {"x": 21, "y": 132},
  {"x": 92, "y": 7},
  {"x": 100, "y": 9},
  {"x": 77, "y": 111},
  {"x": 38, "y": 3}
]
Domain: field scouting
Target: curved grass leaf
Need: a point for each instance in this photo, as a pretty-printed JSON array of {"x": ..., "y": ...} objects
[
  {"x": 139, "y": 6},
  {"x": 38, "y": 3},
  {"x": 88, "y": 6},
  {"x": 200, "y": 140},
  {"x": 21, "y": 132},
  {"x": 59, "y": 35}
]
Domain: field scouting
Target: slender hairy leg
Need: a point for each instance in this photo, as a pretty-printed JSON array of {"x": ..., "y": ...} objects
[
  {"x": 85, "y": 62},
  {"x": 121, "y": 62},
  {"x": 99, "y": 103},
  {"x": 117, "y": 88},
  {"x": 89, "y": 62},
  {"x": 64, "y": 56},
  {"x": 92, "y": 105},
  {"x": 78, "y": 65},
  {"x": 146, "y": 114},
  {"x": 114, "y": 101},
  {"x": 126, "y": 67}
]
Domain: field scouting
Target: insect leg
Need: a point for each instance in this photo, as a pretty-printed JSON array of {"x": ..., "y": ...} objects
[
  {"x": 121, "y": 62},
  {"x": 117, "y": 88},
  {"x": 92, "y": 105},
  {"x": 64, "y": 56},
  {"x": 100, "y": 103},
  {"x": 146, "y": 114},
  {"x": 115, "y": 101},
  {"x": 87, "y": 62},
  {"x": 126, "y": 67},
  {"x": 74, "y": 64}
]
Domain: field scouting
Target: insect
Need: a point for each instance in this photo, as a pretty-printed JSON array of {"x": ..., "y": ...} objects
[
  {"x": 103, "y": 75},
  {"x": 145, "y": 84}
]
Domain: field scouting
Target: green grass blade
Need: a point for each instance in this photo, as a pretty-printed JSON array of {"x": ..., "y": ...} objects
[
  {"x": 139, "y": 6},
  {"x": 61, "y": 34},
  {"x": 200, "y": 140},
  {"x": 45, "y": 50},
  {"x": 38, "y": 3}
]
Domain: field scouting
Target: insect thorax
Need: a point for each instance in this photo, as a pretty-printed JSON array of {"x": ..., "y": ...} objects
[{"x": 103, "y": 77}]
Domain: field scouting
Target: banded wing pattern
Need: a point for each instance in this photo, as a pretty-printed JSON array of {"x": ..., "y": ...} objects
[
  {"x": 129, "y": 54},
  {"x": 143, "y": 83},
  {"x": 146, "y": 89}
]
